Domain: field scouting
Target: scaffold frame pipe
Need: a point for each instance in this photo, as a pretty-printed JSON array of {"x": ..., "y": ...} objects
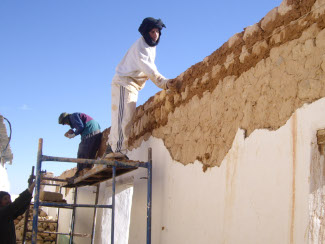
[
  {"x": 73, "y": 216},
  {"x": 149, "y": 195},
  {"x": 113, "y": 205},
  {"x": 37, "y": 190},
  {"x": 66, "y": 205},
  {"x": 93, "y": 229}
]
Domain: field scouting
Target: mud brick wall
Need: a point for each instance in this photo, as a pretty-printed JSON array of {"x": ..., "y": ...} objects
[{"x": 255, "y": 80}]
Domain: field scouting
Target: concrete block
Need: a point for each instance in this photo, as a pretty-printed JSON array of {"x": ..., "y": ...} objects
[
  {"x": 230, "y": 60},
  {"x": 51, "y": 196},
  {"x": 269, "y": 17},
  {"x": 309, "y": 89},
  {"x": 185, "y": 93},
  {"x": 310, "y": 33},
  {"x": 284, "y": 7},
  {"x": 232, "y": 40},
  {"x": 244, "y": 54},
  {"x": 205, "y": 78},
  {"x": 277, "y": 35},
  {"x": 318, "y": 8},
  {"x": 206, "y": 60},
  {"x": 259, "y": 47},
  {"x": 215, "y": 70},
  {"x": 250, "y": 30},
  {"x": 309, "y": 47}
]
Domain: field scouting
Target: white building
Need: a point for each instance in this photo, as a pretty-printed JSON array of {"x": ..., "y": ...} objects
[
  {"x": 235, "y": 152},
  {"x": 5, "y": 155}
]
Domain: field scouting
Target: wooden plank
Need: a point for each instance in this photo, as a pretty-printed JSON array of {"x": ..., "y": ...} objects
[{"x": 97, "y": 174}]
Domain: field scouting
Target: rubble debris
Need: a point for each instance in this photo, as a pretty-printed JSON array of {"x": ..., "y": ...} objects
[{"x": 45, "y": 223}]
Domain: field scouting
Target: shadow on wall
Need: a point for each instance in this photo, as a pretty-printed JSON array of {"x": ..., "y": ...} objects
[
  {"x": 316, "y": 196},
  {"x": 123, "y": 203}
]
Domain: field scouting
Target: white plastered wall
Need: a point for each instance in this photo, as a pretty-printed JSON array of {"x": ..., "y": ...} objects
[
  {"x": 4, "y": 181},
  {"x": 268, "y": 189},
  {"x": 263, "y": 192}
]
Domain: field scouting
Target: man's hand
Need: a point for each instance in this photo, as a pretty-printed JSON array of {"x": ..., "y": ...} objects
[
  {"x": 32, "y": 182},
  {"x": 174, "y": 84},
  {"x": 31, "y": 187},
  {"x": 70, "y": 134}
]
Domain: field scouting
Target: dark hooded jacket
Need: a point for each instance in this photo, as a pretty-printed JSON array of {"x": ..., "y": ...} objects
[{"x": 9, "y": 213}]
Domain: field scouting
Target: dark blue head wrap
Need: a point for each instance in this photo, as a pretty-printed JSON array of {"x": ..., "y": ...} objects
[
  {"x": 147, "y": 25},
  {"x": 2, "y": 194}
]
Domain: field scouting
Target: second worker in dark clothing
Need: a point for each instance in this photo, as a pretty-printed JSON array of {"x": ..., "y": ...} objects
[
  {"x": 89, "y": 129},
  {"x": 9, "y": 211}
]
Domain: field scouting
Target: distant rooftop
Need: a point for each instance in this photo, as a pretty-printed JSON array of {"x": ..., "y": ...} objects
[{"x": 5, "y": 151}]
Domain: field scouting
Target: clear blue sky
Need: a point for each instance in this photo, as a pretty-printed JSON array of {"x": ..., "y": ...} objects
[{"x": 60, "y": 55}]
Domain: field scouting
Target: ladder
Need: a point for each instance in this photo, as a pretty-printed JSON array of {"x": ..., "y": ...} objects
[{"x": 116, "y": 167}]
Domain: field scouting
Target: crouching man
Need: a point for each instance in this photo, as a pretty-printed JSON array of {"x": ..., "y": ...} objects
[{"x": 89, "y": 129}]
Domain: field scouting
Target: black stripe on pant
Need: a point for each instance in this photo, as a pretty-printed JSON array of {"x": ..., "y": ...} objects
[{"x": 120, "y": 120}]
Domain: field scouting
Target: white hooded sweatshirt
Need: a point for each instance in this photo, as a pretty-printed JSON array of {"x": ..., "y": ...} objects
[{"x": 137, "y": 66}]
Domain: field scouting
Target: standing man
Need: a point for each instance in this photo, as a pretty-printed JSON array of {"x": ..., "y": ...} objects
[
  {"x": 9, "y": 211},
  {"x": 89, "y": 129},
  {"x": 137, "y": 66}
]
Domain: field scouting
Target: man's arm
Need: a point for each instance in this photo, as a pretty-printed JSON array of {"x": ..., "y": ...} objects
[
  {"x": 174, "y": 84},
  {"x": 149, "y": 68},
  {"x": 17, "y": 207},
  {"x": 24, "y": 207},
  {"x": 76, "y": 123},
  {"x": 70, "y": 134},
  {"x": 21, "y": 203},
  {"x": 151, "y": 71}
]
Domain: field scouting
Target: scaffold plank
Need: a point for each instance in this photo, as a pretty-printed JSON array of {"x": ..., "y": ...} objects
[{"x": 97, "y": 174}]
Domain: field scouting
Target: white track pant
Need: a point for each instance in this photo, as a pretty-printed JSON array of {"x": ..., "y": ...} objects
[{"x": 123, "y": 108}]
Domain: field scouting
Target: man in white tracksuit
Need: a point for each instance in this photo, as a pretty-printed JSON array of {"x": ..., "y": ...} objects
[{"x": 137, "y": 66}]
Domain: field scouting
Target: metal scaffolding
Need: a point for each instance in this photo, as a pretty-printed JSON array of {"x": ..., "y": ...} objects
[
  {"x": 26, "y": 217},
  {"x": 110, "y": 169}
]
